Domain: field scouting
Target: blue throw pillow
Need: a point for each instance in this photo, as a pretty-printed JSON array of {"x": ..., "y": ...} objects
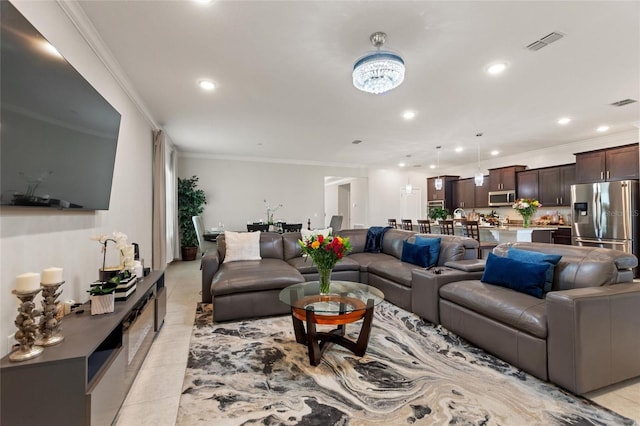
[
  {"x": 413, "y": 253},
  {"x": 520, "y": 276},
  {"x": 434, "y": 248},
  {"x": 536, "y": 257}
]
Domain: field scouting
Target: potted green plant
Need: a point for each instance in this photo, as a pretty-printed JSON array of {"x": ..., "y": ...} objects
[
  {"x": 438, "y": 213},
  {"x": 102, "y": 296},
  {"x": 191, "y": 201}
]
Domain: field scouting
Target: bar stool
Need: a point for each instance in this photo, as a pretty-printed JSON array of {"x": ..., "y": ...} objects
[
  {"x": 407, "y": 225},
  {"x": 446, "y": 227},
  {"x": 472, "y": 230},
  {"x": 392, "y": 223},
  {"x": 424, "y": 226}
]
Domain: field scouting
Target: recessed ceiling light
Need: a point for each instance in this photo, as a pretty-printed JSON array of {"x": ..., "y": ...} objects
[
  {"x": 602, "y": 129},
  {"x": 459, "y": 149},
  {"x": 409, "y": 115},
  {"x": 401, "y": 164},
  {"x": 202, "y": 1},
  {"x": 495, "y": 152},
  {"x": 564, "y": 120},
  {"x": 432, "y": 166},
  {"x": 207, "y": 84},
  {"x": 497, "y": 68}
]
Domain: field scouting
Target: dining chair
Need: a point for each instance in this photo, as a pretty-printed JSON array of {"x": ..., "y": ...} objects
[
  {"x": 291, "y": 227},
  {"x": 424, "y": 226},
  {"x": 253, "y": 227},
  {"x": 407, "y": 225},
  {"x": 203, "y": 245},
  {"x": 472, "y": 230},
  {"x": 392, "y": 223},
  {"x": 446, "y": 227},
  {"x": 336, "y": 223}
]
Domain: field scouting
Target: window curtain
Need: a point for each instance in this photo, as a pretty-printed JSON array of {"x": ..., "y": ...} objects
[
  {"x": 173, "y": 240},
  {"x": 159, "y": 237}
]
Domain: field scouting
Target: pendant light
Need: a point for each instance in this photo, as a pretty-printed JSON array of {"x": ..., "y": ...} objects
[
  {"x": 409, "y": 187},
  {"x": 478, "y": 178},
  {"x": 438, "y": 181}
]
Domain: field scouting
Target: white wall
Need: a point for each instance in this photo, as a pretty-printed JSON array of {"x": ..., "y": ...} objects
[
  {"x": 235, "y": 190},
  {"x": 31, "y": 240}
]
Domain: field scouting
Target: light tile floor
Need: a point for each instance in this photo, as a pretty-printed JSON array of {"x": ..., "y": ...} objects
[{"x": 154, "y": 397}]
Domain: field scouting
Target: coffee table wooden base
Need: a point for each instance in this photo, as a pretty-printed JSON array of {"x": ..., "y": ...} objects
[{"x": 317, "y": 341}]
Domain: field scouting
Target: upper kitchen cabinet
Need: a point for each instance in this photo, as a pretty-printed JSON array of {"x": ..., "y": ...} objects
[
  {"x": 555, "y": 185},
  {"x": 527, "y": 184},
  {"x": 504, "y": 178},
  {"x": 482, "y": 193},
  {"x": 611, "y": 164},
  {"x": 464, "y": 193},
  {"x": 443, "y": 193}
]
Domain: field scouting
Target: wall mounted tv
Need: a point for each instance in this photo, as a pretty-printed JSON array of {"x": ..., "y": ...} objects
[{"x": 58, "y": 135}]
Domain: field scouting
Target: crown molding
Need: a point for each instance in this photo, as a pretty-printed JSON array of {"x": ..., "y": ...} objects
[
  {"x": 90, "y": 34},
  {"x": 206, "y": 156}
]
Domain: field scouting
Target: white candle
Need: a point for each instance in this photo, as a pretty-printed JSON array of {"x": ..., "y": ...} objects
[
  {"x": 27, "y": 283},
  {"x": 52, "y": 275}
]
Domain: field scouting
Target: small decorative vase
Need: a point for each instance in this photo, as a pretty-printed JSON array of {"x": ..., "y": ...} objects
[
  {"x": 102, "y": 304},
  {"x": 526, "y": 221},
  {"x": 325, "y": 280}
]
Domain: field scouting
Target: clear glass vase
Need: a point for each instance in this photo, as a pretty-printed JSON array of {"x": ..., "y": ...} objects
[
  {"x": 526, "y": 221},
  {"x": 325, "y": 280}
]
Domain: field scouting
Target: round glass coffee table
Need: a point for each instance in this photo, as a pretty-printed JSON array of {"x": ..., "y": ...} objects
[{"x": 347, "y": 302}]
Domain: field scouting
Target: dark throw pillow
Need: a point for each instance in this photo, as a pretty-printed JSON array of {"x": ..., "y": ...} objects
[
  {"x": 434, "y": 248},
  {"x": 524, "y": 277},
  {"x": 536, "y": 257},
  {"x": 416, "y": 254}
]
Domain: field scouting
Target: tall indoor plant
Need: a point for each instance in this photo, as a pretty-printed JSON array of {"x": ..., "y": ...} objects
[{"x": 191, "y": 201}]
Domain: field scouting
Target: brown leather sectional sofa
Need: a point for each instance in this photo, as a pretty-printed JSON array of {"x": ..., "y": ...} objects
[
  {"x": 584, "y": 335},
  {"x": 246, "y": 289}
]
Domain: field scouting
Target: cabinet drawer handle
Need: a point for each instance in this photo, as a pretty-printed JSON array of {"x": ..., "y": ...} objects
[
  {"x": 608, "y": 175},
  {"x": 601, "y": 175}
]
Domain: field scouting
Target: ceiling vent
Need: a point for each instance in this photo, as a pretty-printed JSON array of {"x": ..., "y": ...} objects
[
  {"x": 545, "y": 41},
  {"x": 624, "y": 102}
]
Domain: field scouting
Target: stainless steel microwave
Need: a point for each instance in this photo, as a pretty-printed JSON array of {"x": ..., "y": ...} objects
[{"x": 502, "y": 198}]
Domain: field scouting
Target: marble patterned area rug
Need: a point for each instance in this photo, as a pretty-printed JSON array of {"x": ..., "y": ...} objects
[{"x": 253, "y": 372}]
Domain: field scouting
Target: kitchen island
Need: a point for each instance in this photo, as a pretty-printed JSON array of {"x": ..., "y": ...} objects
[{"x": 506, "y": 234}]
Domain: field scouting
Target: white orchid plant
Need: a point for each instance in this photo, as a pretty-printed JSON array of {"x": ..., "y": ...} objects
[
  {"x": 271, "y": 211},
  {"x": 126, "y": 250}
]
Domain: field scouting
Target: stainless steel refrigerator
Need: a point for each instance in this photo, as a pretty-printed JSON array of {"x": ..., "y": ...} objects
[{"x": 605, "y": 214}]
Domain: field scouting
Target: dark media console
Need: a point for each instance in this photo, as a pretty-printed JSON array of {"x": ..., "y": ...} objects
[{"x": 85, "y": 379}]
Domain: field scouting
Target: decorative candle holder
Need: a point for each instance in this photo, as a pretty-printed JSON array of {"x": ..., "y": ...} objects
[
  {"x": 49, "y": 326},
  {"x": 27, "y": 327}
]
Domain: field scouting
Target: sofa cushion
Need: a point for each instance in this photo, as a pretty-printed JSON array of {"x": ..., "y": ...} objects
[
  {"x": 357, "y": 238},
  {"x": 393, "y": 270},
  {"x": 517, "y": 310},
  {"x": 392, "y": 241},
  {"x": 254, "y": 275},
  {"x": 417, "y": 254},
  {"x": 305, "y": 265},
  {"x": 367, "y": 259},
  {"x": 540, "y": 258},
  {"x": 434, "y": 248},
  {"x": 242, "y": 246},
  {"x": 524, "y": 277}
]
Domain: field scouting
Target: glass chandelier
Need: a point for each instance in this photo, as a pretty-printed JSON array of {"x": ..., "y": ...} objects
[
  {"x": 379, "y": 71},
  {"x": 478, "y": 178},
  {"x": 438, "y": 181}
]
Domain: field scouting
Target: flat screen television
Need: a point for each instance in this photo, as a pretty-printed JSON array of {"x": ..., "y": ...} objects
[{"x": 58, "y": 135}]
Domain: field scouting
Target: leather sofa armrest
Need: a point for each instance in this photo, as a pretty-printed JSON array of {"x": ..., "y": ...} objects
[
  {"x": 593, "y": 336},
  {"x": 425, "y": 289},
  {"x": 209, "y": 265},
  {"x": 468, "y": 265}
]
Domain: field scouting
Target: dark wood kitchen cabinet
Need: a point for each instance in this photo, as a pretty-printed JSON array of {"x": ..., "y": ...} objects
[
  {"x": 555, "y": 185},
  {"x": 464, "y": 193},
  {"x": 504, "y": 178},
  {"x": 610, "y": 164},
  {"x": 440, "y": 194},
  {"x": 527, "y": 184},
  {"x": 482, "y": 193}
]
